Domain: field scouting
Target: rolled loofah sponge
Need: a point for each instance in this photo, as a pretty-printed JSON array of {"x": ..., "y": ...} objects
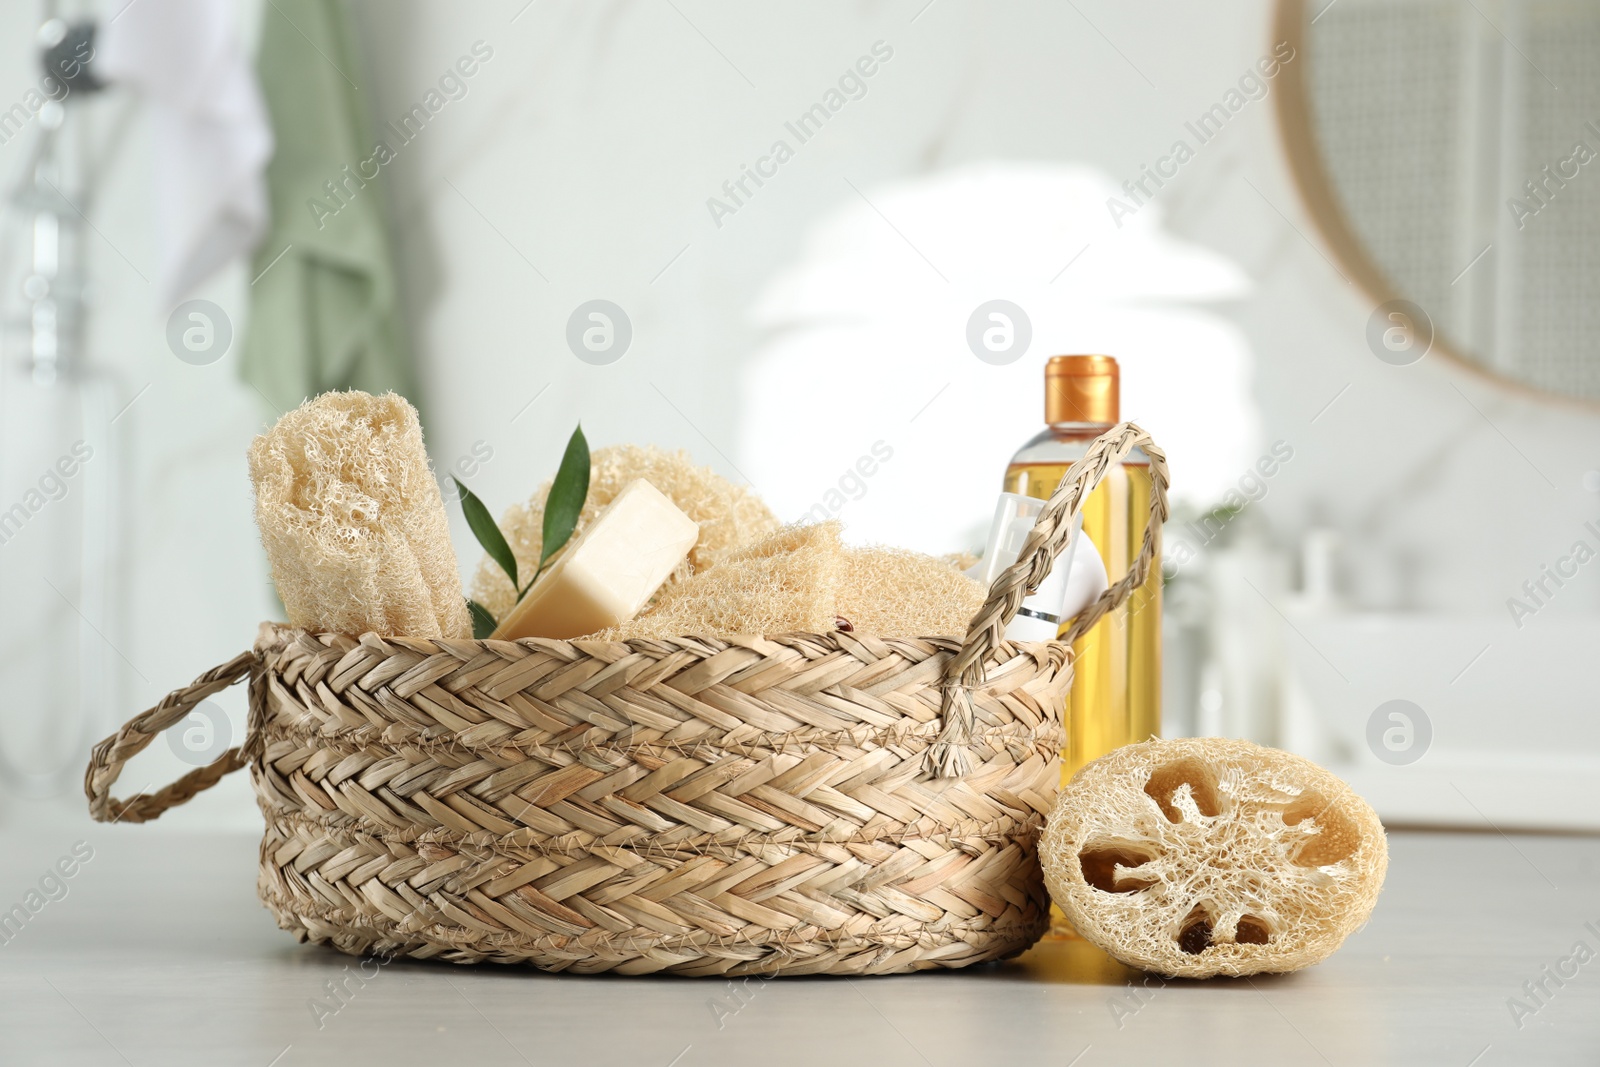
[
  {"x": 893, "y": 592},
  {"x": 1203, "y": 856},
  {"x": 729, "y": 515},
  {"x": 352, "y": 520},
  {"x": 783, "y": 584}
]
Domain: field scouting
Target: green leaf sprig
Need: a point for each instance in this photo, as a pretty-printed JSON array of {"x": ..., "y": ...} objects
[{"x": 561, "y": 510}]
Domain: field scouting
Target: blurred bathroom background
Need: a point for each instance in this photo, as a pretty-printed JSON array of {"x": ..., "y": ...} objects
[{"x": 1373, "y": 253}]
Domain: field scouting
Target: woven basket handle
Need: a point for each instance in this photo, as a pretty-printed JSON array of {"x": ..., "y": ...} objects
[
  {"x": 948, "y": 757},
  {"x": 106, "y": 762}
]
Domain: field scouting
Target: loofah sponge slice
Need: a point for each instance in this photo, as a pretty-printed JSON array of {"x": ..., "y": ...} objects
[
  {"x": 352, "y": 521},
  {"x": 891, "y": 592},
  {"x": 783, "y": 584},
  {"x": 1203, "y": 856},
  {"x": 729, "y": 515}
]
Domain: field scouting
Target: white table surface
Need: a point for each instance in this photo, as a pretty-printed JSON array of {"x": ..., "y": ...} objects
[{"x": 159, "y": 954}]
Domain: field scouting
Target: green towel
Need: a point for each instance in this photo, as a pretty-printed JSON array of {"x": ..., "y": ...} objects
[{"x": 324, "y": 303}]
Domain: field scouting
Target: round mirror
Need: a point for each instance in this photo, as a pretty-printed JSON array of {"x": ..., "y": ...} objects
[{"x": 1449, "y": 154}]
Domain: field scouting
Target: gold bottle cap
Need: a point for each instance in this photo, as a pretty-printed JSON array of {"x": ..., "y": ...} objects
[{"x": 1081, "y": 389}]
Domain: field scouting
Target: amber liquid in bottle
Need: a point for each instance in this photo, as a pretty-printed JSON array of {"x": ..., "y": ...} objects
[{"x": 1115, "y": 698}]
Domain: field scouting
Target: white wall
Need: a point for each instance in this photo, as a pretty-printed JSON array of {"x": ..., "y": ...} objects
[{"x": 585, "y": 151}]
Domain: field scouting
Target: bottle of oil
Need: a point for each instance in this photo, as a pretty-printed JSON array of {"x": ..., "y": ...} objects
[{"x": 1115, "y": 698}]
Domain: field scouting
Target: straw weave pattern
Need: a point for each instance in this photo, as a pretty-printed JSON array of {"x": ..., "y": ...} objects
[{"x": 698, "y": 805}]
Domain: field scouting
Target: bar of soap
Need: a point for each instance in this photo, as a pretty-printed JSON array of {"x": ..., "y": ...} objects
[{"x": 610, "y": 572}]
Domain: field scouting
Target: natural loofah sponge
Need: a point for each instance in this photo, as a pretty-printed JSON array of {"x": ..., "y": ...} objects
[
  {"x": 352, "y": 521},
  {"x": 892, "y": 592},
  {"x": 802, "y": 580},
  {"x": 1203, "y": 856},
  {"x": 729, "y": 515},
  {"x": 783, "y": 584}
]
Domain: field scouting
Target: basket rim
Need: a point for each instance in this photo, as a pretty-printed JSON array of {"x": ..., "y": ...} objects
[{"x": 582, "y": 644}]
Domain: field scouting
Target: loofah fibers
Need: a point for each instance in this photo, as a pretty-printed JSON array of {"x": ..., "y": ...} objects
[
  {"x": 802, "y": 580},
  {"x": 892, "y": 592},
  {"x": 352, "y": 520},
  {"x": 730, "y": 516},
  {"x": 1203, "y": 856},
  {"x": 783, "y": 584}
]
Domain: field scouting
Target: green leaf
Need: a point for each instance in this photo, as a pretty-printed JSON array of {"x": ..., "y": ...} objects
[
  {"x": 567, "y": 494},
  {"x": 483, "y": 623},
  {"x": 487, "y": 533}
]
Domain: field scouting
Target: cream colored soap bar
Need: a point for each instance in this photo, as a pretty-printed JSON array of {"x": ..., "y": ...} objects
[{"x": 609, "y": 572}]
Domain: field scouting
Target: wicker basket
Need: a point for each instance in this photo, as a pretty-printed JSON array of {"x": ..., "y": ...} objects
[{"x": 802, "y": 803}]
